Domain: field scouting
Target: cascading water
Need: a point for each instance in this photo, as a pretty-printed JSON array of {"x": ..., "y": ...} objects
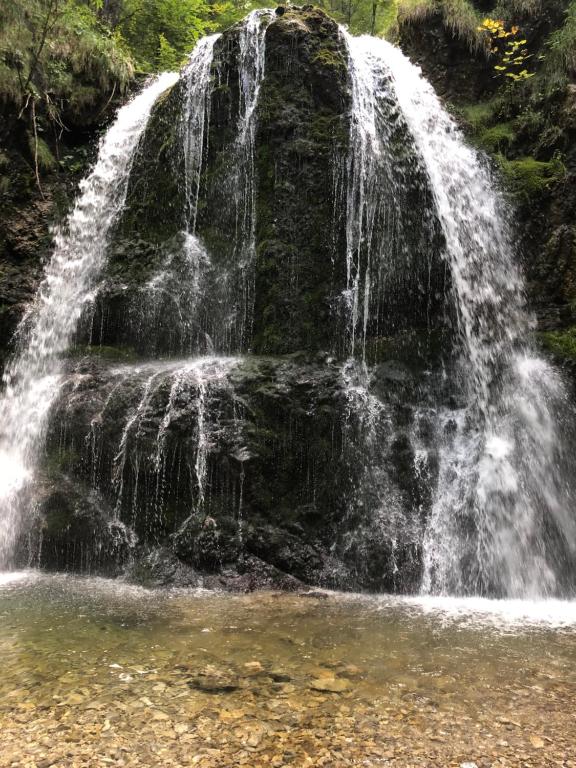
[
  {"x": 31, "y": 380},
  {"x": 181, "y": 278},
  {"x": 139, "y": 476},
  {"x": 195, "y": 119},
  {"x": 440, "y": 467},
  {"x": 388, "y": 235},
  {"x": 242, "y": 179},
  {"x": 502, "y": 520},
  {"x": 200, "y": 300}
]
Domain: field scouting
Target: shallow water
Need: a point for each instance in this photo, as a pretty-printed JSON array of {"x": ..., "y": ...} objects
[{"x": 97, "y": 672}]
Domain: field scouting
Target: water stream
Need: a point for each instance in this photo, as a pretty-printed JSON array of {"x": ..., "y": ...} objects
[
  {"x": 31, "y": 379},
  {"x": 195, "y": 119},
  {"x": 502, "y": 519}
]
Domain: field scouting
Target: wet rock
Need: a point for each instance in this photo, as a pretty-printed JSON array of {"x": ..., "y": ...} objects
[
  {"x": 258, "y": 471},
  {"x": 160, "y": 566},
  {"x": 278, "y": 676}
]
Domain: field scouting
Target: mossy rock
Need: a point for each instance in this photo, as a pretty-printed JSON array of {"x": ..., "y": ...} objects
[
  {"x": 527, "y": 177},
  {"x": 560, "y": 343},
  {"x": 497, "y": 138}
]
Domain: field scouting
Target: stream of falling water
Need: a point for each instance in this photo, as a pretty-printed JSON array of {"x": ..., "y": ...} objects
[
  {"x": 502, "y": 519},
  {"x": 195, "y": 119},
  {"x": 243, "y": 176},
  {"x": 79, "y": 255}
]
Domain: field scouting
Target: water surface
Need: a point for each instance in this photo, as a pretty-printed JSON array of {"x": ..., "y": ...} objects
[{"x": 98, "y": 672}]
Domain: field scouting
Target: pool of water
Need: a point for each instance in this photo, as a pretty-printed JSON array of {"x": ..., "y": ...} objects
[{"x": 97, "y": 672}]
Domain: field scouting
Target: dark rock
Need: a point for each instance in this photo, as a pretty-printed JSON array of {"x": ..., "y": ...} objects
[{"x": 286, "y": 498}]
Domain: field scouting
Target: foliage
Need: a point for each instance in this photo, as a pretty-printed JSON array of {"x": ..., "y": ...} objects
[
  {"x": 516, "y": 8},
  {"x": 497, "y": 138},
  {"x": 161, "y": 33},
  {"x": 508, "y": 47},
  {"x": 374, "y": 17},
  {"x": 458, "y": 15},
  {"x": 57, "y": 63},
  {"x": 49, "y": 49},
  {"x": 480, "y": 114},
  {"x": 560, "y": 62}
]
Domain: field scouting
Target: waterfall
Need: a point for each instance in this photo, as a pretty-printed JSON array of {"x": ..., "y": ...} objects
[
  {"x": 31, "y": 380},
  {"x": 219, "y": 317},
  {"x": 397, "y": 466},
  {"x": 195, "y": 119},
  {"x": 251, "y": 61},
  {"x": 387, "y": 235},
  {"x": 502, "y": 520}
]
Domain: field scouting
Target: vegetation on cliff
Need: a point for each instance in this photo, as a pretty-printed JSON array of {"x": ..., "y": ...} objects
[
  {"x": 526, "y": 123},
  {"x": 57, "y": 66}
]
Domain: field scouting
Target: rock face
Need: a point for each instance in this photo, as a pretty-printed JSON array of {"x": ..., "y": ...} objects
[
  {"x": 210, "y": 428},
  {"x": 302, "y": 141},
  {"x": 235, "y": 466}
]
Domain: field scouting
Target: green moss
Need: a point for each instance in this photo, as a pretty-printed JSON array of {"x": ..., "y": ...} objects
[
  {"x": 478, "y": 115},
  {"x": 41, "y": 152},
  {"x": 327, "y": 57},
  {"x": 527, "y": 177},
  {"x": 497, "y": 138},
  {"x": 560, "y": 56},
  {"x": 61, "y": 461},
  {"x": 560, "y": 343},
  {"x": 459, "y": 16},
  {"x": 389, "y": 15}
]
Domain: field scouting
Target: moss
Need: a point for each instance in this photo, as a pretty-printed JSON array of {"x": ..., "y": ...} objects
[
  {"x": 327, "y": 128},
  {"x": 61, "y": 461},
  {"x": 41, "y": 151},
  {"x": 327, "y": 57},
  {"x": 560, "y": 343},
  {"x": 560, "y": 60},
  {"x": 478, "y": 115},
  {"x": 497, "y": 138},
  {"x": 528, "y": 177}
]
